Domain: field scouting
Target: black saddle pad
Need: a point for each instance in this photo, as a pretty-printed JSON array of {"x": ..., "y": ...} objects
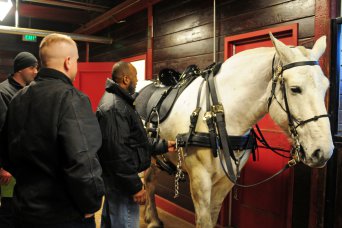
[{"x": 149, "y": 97}]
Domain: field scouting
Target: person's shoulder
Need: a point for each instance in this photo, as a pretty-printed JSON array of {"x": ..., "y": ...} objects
[
  {"x": 7, "y": 90},
  {"x": 112, "y": 103},
  {"x": 4, "y": 85}
]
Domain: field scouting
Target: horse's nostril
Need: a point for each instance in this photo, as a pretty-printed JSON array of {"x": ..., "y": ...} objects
[{"x": 317, "y": 154}]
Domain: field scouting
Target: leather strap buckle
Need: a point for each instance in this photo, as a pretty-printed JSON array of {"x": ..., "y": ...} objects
[
  {"x": 217, "y": 108},
  {"x": 207, "y": 116},
  {"x": 196, "y": 112}
]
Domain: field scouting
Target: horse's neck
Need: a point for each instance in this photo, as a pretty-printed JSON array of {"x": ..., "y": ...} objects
[{"x": 246, "y": 77}]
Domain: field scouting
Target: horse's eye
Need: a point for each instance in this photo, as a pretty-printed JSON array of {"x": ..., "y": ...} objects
[{"x": 296, "y": 89}]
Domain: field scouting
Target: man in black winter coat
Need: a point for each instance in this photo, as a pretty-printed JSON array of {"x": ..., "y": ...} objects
[
  {"x": 126, "y": 150},
  {"x": 24, "y": 71},
  {"x": 51, "y": 143}
]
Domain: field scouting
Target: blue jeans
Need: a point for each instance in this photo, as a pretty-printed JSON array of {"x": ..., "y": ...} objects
[{"x": 119, "y": 210}]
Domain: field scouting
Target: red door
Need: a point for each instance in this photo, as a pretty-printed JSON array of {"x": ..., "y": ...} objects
[
  {"x": 91, "y": 78},
  {"x": 267, "y": 205}
]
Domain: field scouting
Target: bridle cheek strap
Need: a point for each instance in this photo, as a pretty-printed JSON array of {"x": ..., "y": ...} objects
[{"x": 291, "y": 119}]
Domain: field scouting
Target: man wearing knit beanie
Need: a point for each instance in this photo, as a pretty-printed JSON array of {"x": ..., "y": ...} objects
[{"x": 24, "y": 71}]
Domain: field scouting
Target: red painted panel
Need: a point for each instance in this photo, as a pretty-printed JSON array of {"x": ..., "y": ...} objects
[
  {"x": 91, "y": 78},
  {"x": 266, "y": 205},
  {"x": 234, "y": 44}
]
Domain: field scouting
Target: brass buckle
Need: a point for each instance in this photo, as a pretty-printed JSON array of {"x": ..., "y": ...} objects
[
  {"x": 217, "y": 108},
  {"x": 196, "y": 111},
  {"x": 279, "y": 69},
  {"x": 292, "y": 162},
  {"x": 207, "y": 115}
]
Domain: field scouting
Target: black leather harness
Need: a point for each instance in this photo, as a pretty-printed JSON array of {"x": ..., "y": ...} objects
[{"x": 159, "y": 111}]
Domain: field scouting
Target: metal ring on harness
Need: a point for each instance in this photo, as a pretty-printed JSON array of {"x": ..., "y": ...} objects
[{"x": 152, "y": 130}]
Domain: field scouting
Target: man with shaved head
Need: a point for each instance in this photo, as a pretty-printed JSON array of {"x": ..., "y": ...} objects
[
  {"x": 51, "y": 141},
  {"x": 126, "y": 149}
]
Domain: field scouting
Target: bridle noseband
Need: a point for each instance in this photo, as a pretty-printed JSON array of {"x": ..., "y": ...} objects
[{"x": 277, "y": 75}]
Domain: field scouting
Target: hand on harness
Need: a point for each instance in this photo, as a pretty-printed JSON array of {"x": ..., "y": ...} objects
[{"x": 171, "y": 146}]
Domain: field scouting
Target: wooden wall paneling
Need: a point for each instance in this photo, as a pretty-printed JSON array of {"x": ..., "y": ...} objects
[
  {"x": 122, "y": 48},
  {"x": 200, "y": 18},
  {"x": 121, "y": 30},
  {"x": 306, "y": 27},
  {"x": 137, "y": 48},
  {"x": 268, "y": 16},
  {"x": 184, "y": 36},
  {"x": 181, "y": 63},
  {"x": 169, "y": 10},
  {"x": 185, "y": 50},
  {"x": 127, "y": 42},
  {"x": 227, "y": 9}
]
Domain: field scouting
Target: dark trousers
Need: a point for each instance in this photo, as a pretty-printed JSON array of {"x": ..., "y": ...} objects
[
  {"x": 6, "y": 213},
  {"x": 83, "y": 223}
]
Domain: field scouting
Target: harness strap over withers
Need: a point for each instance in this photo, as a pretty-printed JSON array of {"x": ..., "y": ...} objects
[
  {"x": 218, "y": 112},
  {"x": 208, "y": 117}
]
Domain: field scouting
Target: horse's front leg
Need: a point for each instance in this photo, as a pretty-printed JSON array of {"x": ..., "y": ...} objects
[
  {"x": 200, "y": 186},
  {"x": 151, "y": 214},
  {"x": 218, "y": 193}
]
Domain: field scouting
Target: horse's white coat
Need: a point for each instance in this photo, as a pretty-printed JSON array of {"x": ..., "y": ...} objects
[{"x": 243, "y": 86}]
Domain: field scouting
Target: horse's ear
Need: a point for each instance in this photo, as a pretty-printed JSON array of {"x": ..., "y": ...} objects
[
  {"x": 285, "y": 53},
  {"x": 319, "y": 47}
]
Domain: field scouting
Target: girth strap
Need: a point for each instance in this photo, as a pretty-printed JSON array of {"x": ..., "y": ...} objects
[{"x": 202, "y": 139}]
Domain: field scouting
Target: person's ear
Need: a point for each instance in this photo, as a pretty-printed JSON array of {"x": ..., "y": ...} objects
[
  {"x": 126, "y": 80},
  {"x": 67, "y": 63}
]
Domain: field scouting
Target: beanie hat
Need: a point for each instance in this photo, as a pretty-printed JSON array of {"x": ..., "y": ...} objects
[{"x": 24, "y": 60}]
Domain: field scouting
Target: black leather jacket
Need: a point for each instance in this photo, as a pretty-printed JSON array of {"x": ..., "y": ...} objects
[
  {"x": 126, "y": 150},
  {"x": 50, "y": 147},
  {"x": 8, "y": 88}
]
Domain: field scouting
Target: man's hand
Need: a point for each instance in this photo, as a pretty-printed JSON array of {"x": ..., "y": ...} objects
[
  {"x": 140, "y": 197},
  {"x": 171, "y": 146},
  {"x": 88, "y": 215},
  {"x": 5, "y": 177}
]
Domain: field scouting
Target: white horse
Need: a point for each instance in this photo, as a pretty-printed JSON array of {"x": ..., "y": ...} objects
[{"x": 244, "y": 84}]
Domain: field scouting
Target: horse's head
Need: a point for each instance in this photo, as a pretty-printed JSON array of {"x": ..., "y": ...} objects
[{"x": 298, "y": 103}]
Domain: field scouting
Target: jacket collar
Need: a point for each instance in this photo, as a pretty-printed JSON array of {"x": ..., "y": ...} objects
[
  {"x": 52, "y": 73},
  {"x": 14, "y": 83},
  {"x": 113, "y": 87}
]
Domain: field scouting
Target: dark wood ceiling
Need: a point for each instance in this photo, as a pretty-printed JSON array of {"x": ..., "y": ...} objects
[{"x": 88, "y": 17}]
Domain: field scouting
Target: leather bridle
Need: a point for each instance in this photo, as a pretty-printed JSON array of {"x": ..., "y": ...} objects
[{"x": 293, "y": 122}]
